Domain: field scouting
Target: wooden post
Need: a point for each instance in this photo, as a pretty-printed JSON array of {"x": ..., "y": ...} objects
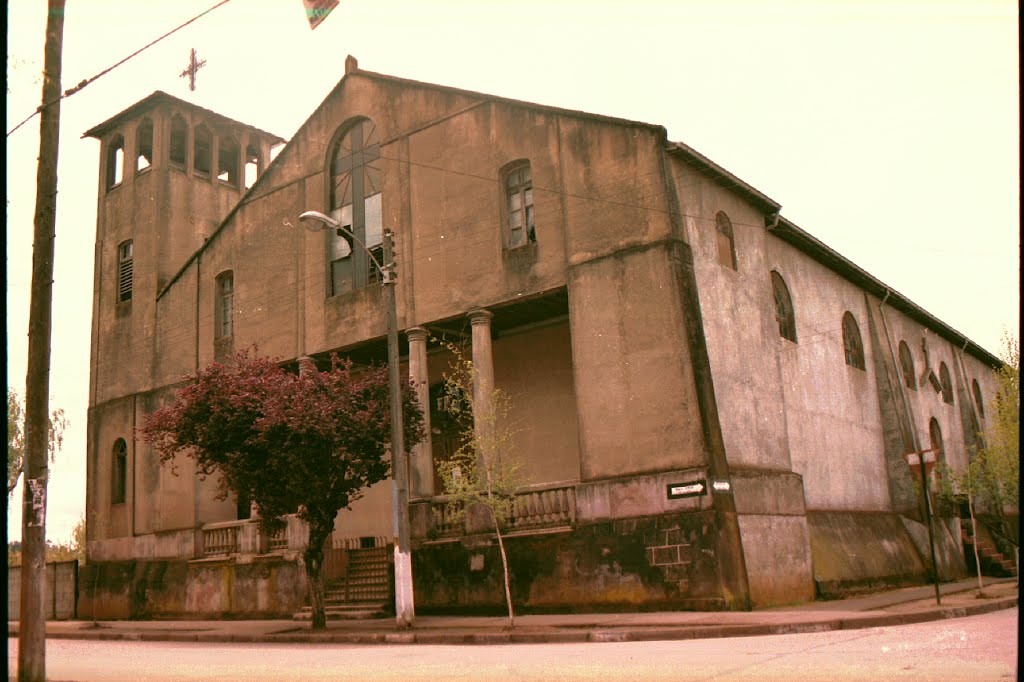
[{"x": 32, "y": 629}]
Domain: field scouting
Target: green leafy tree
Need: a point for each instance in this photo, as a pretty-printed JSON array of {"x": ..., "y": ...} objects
[
  {"x": 991, "y": 480},
  {"x": 16, "y": 438},
  {"x": 483, "y": 473},
  {"x": 307, "y": 444}
]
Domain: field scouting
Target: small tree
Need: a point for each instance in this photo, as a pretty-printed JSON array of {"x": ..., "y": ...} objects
[
  {"x": 16, "y": 438},
  {"x": 308, "y": 444},
  {"x": 483, "y": 472},
  {"x": 992, "y": 478}
]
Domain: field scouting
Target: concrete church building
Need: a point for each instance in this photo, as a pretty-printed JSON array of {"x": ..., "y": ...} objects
[{"x": 712, "y": 406}]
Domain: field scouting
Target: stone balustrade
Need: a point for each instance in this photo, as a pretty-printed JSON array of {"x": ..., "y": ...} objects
[{"x": 535, "y": 508}]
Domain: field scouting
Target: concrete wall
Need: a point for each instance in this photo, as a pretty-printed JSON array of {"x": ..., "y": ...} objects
[{"x": 61, "y": 600}]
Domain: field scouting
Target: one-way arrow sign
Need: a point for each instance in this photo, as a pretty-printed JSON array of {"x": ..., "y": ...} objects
[{"x": 691, "y": 489}]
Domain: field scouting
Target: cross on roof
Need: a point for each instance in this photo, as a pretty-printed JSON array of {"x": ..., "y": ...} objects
[{"x": 193, "y": 66}]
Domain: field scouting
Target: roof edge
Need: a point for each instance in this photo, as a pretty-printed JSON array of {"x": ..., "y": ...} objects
[{"x": 790, "y": 233}]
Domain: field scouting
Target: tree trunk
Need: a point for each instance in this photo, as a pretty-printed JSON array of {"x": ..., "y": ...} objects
[
  {"x": 504, "y": 565},
  {"x": 314, "y": 556},
  {"x": 974, "y": 532}
]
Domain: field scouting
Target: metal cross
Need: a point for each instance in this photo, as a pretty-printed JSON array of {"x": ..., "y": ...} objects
[{"x": 193, "y": 66}]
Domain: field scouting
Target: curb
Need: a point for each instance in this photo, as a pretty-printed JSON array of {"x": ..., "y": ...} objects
[{"x": 556, "y": 636}]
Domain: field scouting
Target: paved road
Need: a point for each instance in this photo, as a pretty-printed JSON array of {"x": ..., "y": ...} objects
[{"x": 973, "y": 648}]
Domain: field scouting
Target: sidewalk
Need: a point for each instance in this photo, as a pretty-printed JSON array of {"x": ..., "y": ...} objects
[{"x": 896, "y": 607}]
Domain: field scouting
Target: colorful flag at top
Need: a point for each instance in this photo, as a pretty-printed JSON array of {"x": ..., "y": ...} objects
[{"x": 317, "y": 10}]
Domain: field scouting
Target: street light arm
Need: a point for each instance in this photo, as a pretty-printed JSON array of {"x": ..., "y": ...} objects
[{"x": 330, "y": 222}]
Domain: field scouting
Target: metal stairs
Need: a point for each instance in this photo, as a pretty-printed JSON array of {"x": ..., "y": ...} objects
[{"x": 364, "y": 592}]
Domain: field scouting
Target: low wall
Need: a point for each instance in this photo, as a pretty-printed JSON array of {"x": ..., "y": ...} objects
[
  {"x": 860, "y": 551},
  {"x": 61, "y": 591},
  {"x": 642, "y": 563},
  {"x": 265, "y": 587}
]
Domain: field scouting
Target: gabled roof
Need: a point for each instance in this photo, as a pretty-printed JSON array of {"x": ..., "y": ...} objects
[{"x": 159, "y": 97}]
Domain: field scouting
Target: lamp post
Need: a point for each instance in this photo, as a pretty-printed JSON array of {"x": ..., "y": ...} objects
[{"x": 405, "y": 613}]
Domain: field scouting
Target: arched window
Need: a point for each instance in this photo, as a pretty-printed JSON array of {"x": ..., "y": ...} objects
[
  {"x": 228, "y": 158},
  {"x": 115, "y": 161},
  {"x": 202, "y": 149},
  {"x": 225, "y": 305},
  {"x": 784, "y": 314},
  {"x": 119, "y": 472},
  {"x": 253, "y": 165},
  {"x": 907, "y": 366},
  {"x": 519, "y": 205},
  {"x": 179, "y": 140},
  {"x": 125, "y": 271},
  {"x": 726, "y": 241},
  {"x": 935, "y": 435},
  {"x": 947, "y": 385},
  {"x": 853, "y": 347},
  {"x": 144, "y": 146},
  {"x": 976, "y": 389},
  {"x": 355, "y": 199}
]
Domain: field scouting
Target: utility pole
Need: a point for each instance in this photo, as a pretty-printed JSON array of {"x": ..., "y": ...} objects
[{"x": 32, "y": 628}]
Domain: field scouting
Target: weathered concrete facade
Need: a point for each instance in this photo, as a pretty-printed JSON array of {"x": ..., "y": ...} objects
[{"x": 622, "y": 294}]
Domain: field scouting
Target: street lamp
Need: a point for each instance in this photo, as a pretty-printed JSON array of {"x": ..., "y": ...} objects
[{"x": 405, "y": 613}]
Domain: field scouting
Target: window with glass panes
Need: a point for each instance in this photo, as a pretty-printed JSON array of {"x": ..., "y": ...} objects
[
  {"x": 519, "y": 196},
  {"x": 225, "y": 304}
]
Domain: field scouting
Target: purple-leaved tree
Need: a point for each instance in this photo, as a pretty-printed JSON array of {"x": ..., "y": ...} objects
[{"x": 308, "y": 444}]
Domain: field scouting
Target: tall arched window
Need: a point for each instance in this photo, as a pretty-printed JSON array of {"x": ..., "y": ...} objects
[
  {"x": 784, "y": 313},
  {"x": 228, "y": 158},
  {"x": 225, "y": 305},
  {"x": 935, "y": 435},
  {"x": 144, "y": 146},
  {"x": 119, "y": 472},
  {"x": 179, "y": 140},
  {"x": 907, "y": 366},
  {"x": 115, "y": 161},
  {"x": 726, "y": 241},
  {"x": 355, "y": 199},
  {"x": 947, "y": 384},
  {"x": 253, "y": 165},
  {"x": 202, "y": 150},
  {"x": 519, "y": 205},
  {"x": 976, "y": 389},
  {"x": 853, "y": 347}
]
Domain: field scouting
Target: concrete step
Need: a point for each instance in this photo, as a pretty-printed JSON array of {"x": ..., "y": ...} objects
[{"x": 353, "y": 612}]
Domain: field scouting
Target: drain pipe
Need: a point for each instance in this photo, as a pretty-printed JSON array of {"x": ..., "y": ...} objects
[{"x": 917, "y": 449}]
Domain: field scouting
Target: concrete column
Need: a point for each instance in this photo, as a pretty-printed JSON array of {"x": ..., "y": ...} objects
[
  {"x": 483, "y": 375},
  {"x": 421, "y": 456}
]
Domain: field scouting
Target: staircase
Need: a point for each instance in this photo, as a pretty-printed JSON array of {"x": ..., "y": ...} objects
[
  {"x": 992, "y": 562},
  {"x": 364, "y": 591}
]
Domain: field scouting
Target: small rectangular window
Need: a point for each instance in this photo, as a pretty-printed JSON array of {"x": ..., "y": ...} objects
[
  {"x": 201, "y": 151},
  {"x": 144, "y": 146},
  {"x": 225, "y": 305},
  {"x": 124, "y": 272},
  {"x": 519, "y": 206},
  {"x": 227, "y": 161}
]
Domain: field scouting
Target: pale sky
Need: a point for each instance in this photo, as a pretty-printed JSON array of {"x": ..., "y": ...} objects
[{"x": 888, "y": 130}]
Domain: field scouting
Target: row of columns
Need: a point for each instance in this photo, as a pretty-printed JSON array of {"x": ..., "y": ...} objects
[{"x": 421, "y": 456}]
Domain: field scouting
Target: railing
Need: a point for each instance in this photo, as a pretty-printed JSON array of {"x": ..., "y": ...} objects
[
  {"x": 534, "y": 508},
  {"x": 278, "y": 540},
  {"x": 359, "y": 543},
  {"x": 544, "y": 508},
  {"x": 220, "y": 541},
  {"x": 444, "y": 518}
]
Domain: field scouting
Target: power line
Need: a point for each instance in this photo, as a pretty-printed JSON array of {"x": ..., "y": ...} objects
[{"x": 88, "y": 81}]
